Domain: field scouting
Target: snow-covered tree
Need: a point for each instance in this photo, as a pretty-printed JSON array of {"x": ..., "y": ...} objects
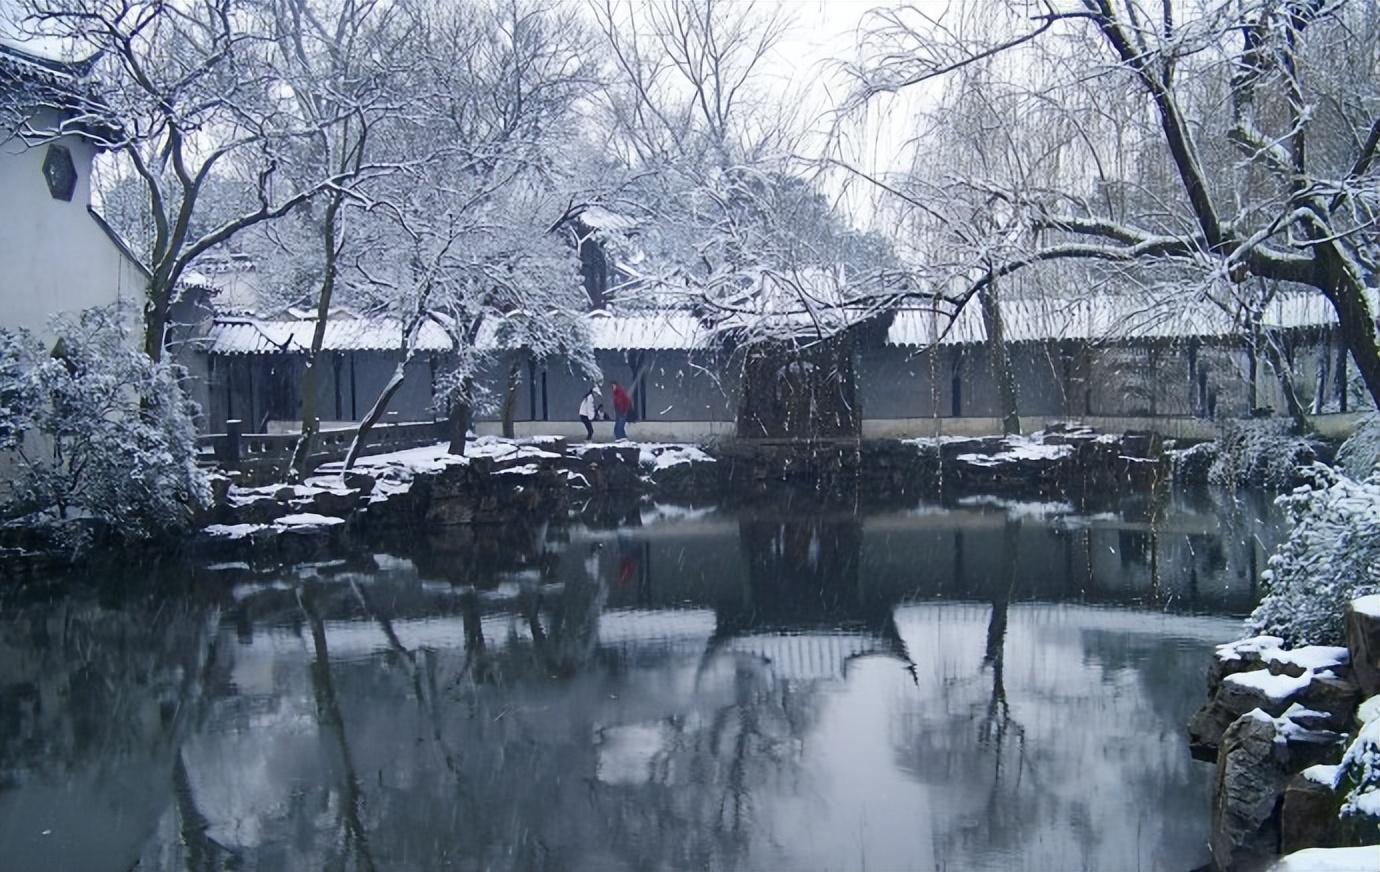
[
  {"x": 474, "y": 241},
  {"x": 184, "y": 100},
  {"x": 1331, "y": 557},
  {"x": 346, "y": 60},
  {"x": 96, "y": 429},
  {"x": 1202, "y": 150}
]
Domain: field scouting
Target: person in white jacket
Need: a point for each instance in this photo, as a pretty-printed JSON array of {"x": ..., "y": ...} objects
[{"x": 587, "y": 412}]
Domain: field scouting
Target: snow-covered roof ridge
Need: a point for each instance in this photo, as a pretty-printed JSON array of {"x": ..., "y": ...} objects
[
  {"x": 1107, "y": 317},
  {"x": 31, "y": 58},
  {"x": 672, "y": 328}
]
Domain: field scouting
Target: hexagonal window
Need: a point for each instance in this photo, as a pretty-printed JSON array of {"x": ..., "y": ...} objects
[{"x": 60, "y": 172}]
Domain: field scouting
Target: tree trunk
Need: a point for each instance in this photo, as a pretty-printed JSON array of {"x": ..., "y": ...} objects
[
  {"x": 311, "y": 423},
  {"x": 155, "y": 321},
  {"x": 1340, "y": 377},
  {"x": 1355, "y": 320},
  {"x": 376, "y": 412},
  {"x": 510, "y": 393},
  {"x": 1297, "y": 414},
  {"x": 1001, "y": 360},
  {"x": 1324, "y": 365},
  {"x": 461, "y": 415}
]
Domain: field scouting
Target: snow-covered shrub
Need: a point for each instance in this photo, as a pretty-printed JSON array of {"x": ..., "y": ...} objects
[
  {"x": 1261, "y": 453},
  {"x": 1331, "y": 557},
  {"x": 95, "y": 429},
  {"x": 1360, "y": 455},
  {"x": 1359, "y": 773}
]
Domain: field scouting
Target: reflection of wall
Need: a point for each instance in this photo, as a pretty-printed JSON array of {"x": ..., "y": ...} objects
[{"x": 1205, "y": 555}]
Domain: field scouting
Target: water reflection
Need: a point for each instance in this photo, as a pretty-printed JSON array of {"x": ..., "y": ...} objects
[{"x": 987, "y": 685}]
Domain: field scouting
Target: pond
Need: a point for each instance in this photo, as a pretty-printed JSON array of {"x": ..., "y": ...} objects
[{"x": 980, "y": 685}]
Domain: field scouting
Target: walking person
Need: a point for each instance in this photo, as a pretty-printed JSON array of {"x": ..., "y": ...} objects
[
  {"x": 587, "y": 412},
  {"x": 622, "y": 405}
]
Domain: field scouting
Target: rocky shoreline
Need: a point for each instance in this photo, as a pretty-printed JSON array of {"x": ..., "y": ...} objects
[
  {"x": 1278, "y": 724},
  {"x": 500, "y": 482}
]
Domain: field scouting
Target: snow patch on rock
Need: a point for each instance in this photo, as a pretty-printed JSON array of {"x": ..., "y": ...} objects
[
  {"x": 1367, "y": 605},
  {"x": 307, "y": 519},
  {"x": 658, "y": 456},
  {"x": 233, "y": 531},
  {"x": 1275, "y": 687}
]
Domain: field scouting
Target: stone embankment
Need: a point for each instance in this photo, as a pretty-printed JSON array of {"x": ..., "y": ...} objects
[
  {"x": 503, "y": 481},
  {"x": 1278, "y": 723}
]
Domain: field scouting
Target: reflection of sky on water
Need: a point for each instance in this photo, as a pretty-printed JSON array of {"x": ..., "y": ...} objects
[{"x": 711, "y": 692}]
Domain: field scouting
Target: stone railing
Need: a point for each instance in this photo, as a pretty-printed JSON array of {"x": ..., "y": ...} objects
[{"x": 266, "y": 455}]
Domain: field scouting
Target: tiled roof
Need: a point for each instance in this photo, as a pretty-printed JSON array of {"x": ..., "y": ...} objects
[
  {"x": 1104, "y": 318},
  {"x": 293, "y": 336},
  {"x": 248, "y": 335},
  {"x": 1092, "y": 319},
  {"x": 668, "y": 329}
]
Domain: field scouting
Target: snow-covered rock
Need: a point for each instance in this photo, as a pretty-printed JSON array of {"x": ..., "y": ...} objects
[
  {"x": 1259, "y": 755},
  {"x": 304, "y": 520},
  {"x": 1249, "y": 780},
  {"x": 233, "y": 531},
  {"x": 1362, "y": 623},
  {"x": 1314, "y": 699}
]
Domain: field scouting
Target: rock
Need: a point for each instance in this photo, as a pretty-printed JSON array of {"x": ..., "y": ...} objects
[
  {"x": 1309, "y": 816},
  {"x": 362, "y": 482},
  {"x": 1363, "y": 640},
  {"x": 1243, "y": 655},
  {"x": 337, "y": 504},
  {"x": 1248, "y": 784},
  {"x": 1334, "y": 696},
  {"x": 1236, "y": 695},
  {"x": 263, "y": 510}
]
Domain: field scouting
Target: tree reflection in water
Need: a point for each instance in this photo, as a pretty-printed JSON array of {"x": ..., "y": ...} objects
[{"x": 753, "y": 691}]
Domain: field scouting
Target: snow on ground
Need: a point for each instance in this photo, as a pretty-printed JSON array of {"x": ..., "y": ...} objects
[
  {"x": 1276, "y": 687},
  {"x": 1365, "y": 859},
  {"x": 427, "y": 458},
  {"x": 241, "y": 496},
  {"x": 1018, "y": 449}
]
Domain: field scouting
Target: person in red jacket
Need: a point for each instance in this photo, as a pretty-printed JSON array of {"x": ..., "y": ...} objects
[{"x": 622, "y": 405}]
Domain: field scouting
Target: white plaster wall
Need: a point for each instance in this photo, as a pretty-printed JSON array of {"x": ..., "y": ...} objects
[{"x": 54, "y": 257}]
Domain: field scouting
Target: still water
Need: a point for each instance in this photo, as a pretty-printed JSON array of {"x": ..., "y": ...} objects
[{"x": 982, "y": 685}]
